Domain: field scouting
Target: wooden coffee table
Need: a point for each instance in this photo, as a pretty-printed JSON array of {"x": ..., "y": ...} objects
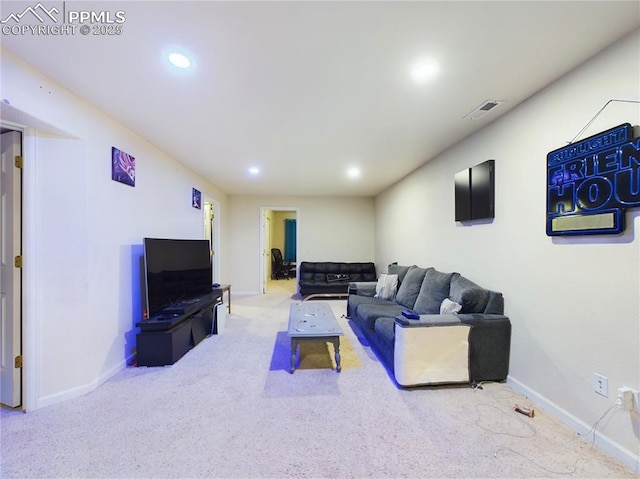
[{"x": 313, "y": 322}]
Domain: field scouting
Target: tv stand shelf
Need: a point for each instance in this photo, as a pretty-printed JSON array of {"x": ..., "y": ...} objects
[{"x": 166, "y": 337}]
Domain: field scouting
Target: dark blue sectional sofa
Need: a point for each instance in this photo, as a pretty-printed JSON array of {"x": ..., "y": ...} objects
[{"x": 472, "y": 345}]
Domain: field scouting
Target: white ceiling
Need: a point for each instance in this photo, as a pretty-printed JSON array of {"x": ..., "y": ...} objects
[{"x": 304, "y": 90}]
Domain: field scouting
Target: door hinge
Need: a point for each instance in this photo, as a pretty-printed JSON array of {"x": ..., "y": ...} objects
[
  {"x": 18, "y": 361},
  {"x": 19, "y": 162},
  {"x": 18, "y": 261}
]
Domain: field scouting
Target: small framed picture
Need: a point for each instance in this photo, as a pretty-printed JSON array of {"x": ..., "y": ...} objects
[
  {"x": 123, "y": 167},
  {"x": 196, "y": 199}
]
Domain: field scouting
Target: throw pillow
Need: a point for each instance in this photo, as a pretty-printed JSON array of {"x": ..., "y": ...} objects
[
  {"x": 434, "y": 289},
  {"x": 410, "y": 287},
  {"x": 449, "y": 307},
  {"x": 387, "y": 286}
]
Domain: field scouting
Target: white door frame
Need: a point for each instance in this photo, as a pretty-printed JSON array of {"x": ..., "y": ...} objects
[
  {"x": 215, "y": 240},
  {"x": 30, "y": 345},
  {"x": 264, "y": 241},
  {"x": 12, "y": 286},
  {"x": 29, "y": 269},
  {"x": 267, "y": 235}
]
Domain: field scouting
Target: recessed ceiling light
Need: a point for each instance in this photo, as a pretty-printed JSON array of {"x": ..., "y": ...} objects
[
  {"x": 353, "y": 172},
  {"x": 254, "y": 170},
  {"x": 179, "y": 60},
  {"x": 424, "y": 70}
]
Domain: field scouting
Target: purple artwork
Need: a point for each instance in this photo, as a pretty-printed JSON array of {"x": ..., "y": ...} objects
[
  {"x": 196, "y": 199},
  {"x": 123, "y": 167}
]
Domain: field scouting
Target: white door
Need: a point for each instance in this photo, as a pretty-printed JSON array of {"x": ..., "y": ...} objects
[{"x": 10, "y": 275}]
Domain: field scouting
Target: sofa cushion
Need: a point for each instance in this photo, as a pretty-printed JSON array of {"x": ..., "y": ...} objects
[
  {"x": 434, "y": 289},
  {"x": 387, "y": 286},
  {"x": 359, "y": 271},
  {"x": 354, "y": 301},
  {"x": 472, "y": 297},
  {"x": 368, "y": 313},
  {"x": 495, "y": 304},
  {"x": 401, "y": 271},
  {"x": 319, "y": 278},
  {"x": 410, "y": 287},
  {"x": 385, "y": 329}
]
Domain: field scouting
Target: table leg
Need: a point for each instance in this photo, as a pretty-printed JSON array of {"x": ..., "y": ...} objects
[
  {"x": 336, "y": 348},
  {"x": 294, "y": 347}
]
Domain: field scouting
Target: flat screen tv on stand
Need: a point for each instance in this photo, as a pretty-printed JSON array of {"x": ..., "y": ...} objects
[
  {"x": 180, "y": 300},
  {"x": 178, "y": 272}
]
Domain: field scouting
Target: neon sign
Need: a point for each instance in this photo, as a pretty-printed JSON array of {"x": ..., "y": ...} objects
[{"x": 590, "y": 183}]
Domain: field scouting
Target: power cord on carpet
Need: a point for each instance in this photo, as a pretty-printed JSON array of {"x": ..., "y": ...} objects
[
  {"x": 575, "y": 463},
  {"x": 551, "y": 471},
  {"x": 510, "y": 394},
  {"x": 499, "y": 408},
  {"x": 528, "y": 426}
]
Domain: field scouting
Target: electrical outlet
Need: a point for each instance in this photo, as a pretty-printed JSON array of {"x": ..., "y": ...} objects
[{"x": 601, "y": 384}]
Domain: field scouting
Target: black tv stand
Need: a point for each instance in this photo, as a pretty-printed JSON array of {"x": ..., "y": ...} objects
[{"x": 167, "y": 336}]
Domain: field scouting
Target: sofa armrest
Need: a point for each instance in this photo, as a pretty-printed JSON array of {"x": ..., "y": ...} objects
[
  {"x": 431, "y": 350},
  {"x": 363, "y": 288},
  {"x": 489, "y": 346},
  {"x": 428, "y": 320},
  {"x": 472, "y": 318}
]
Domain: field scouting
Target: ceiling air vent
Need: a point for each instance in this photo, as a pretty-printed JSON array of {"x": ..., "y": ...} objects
[{"x": 483, "y": 109}]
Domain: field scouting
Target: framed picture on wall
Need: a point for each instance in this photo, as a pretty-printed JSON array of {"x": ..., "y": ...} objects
[
  {"x": 196, "y": 199},
  {"x": 123, "y": 167}
]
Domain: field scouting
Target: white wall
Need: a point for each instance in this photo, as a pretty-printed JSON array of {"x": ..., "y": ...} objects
[
  {"x": 575, "y": 302},
  {"x": 84, "y": 235},
  {"x": 329, "y": 229}
]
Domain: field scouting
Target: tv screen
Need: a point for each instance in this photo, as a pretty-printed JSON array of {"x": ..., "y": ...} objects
[
  {"x": 475, "y": 192},
  {"x": 176, "y": 270}
]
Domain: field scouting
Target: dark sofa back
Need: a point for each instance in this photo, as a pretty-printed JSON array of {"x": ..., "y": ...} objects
[
  {"x": 424, "y": 289},
  {"x": 318, "y": 271},
  {"x": 332, "y": 277}
]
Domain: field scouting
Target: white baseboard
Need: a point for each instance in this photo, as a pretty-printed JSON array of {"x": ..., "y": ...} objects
[
  {"x": 603, "y": 442},
  {"x": 84, "y": 389},
  {"x": 247, "y": 293}
]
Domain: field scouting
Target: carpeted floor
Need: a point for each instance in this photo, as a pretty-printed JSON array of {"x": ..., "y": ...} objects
[{"x": 230, "y": 409}]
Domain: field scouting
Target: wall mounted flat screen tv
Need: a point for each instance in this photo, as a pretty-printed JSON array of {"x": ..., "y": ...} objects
[
  {"x": 475, "y": 192},
  {"x": 176, "y": 270}
]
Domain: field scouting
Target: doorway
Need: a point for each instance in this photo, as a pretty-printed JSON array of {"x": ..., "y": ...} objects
[
  {"x": 279, "y": 227},
  {"x": 11, "y": 268}
]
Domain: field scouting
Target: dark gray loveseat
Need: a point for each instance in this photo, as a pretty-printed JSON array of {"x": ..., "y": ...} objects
[
  {"x": 326, "y": 277},
  {"x": 470, "y": 346}
]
